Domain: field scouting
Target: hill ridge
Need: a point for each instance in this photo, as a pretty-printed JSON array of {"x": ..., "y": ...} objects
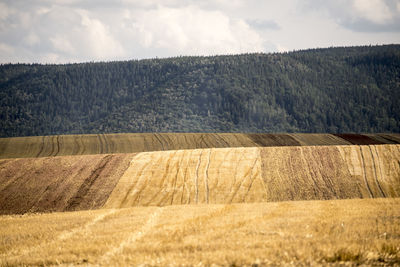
[{"x": 62, "y": 145}]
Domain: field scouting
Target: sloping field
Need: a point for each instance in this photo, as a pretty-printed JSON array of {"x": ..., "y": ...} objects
[
  {"x": 237, "y": 175},
  {"x": 295, "y": 233},
  {"x": 216, "y": 175},
  {"x": 61, "y": 145},
  {"x": 59, "y": 183}
]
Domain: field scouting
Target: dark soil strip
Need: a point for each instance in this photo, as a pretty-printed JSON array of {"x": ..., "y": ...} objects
[
  {"x": 273, "y": 140},
  {"x": 359, "y": 139},
  {"x": 76, "y": 200}
]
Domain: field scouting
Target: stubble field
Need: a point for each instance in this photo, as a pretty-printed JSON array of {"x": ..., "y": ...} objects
[{"x": 291, "y": 233}]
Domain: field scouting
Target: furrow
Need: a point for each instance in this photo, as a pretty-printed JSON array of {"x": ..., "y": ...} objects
[
  {"x": 251, "y": 179},
  {"x": 41, "y": 148},
  {"x": 87, "y": 184},
  {"x": 196, "y": 178},
  {"x": 164, "y": 180},
  {"x": 135, "y": 184},
  {"x": 159, "y": 140},
  {"x": 376, "y": 175},
  {"x": 58, "y": 145},
  {"x": 100, "y": 144},
  {"x": 235, "y": 190},
  {"x": 206, "y": 177},
  {"x": 365, "y": 172}
]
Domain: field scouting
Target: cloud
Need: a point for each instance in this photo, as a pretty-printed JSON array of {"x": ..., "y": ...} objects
[
  {"x": 60, "y": 34},
  {"x": 97, "y": 38},
  {"x": 69, "y": 30},
  {"x": 61, "y": 31},
  {"x": 190, "y": 30},
  {"x": 360, "y": 15},
  {"x": 263, "y": 24},
  {"x": 375, "y": 11}
]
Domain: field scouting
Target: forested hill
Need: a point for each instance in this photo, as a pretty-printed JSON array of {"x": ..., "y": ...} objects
[{"x": 354, "y": 89}]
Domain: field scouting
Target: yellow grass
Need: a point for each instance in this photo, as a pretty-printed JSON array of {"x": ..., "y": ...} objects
[{"x": 298, "y": 233}]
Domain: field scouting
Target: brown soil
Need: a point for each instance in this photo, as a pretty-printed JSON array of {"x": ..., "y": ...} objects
[
  {"x": 359, "y": 139},
  {"x": 59, "y": 183},
  {"x": 273, "y": 140}
]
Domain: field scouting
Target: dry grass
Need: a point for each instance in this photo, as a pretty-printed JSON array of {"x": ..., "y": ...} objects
[{"x": 298, "y": 233}]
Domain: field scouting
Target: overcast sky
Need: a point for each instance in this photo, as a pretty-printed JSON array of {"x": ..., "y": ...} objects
[{"x": 62, "y": 31}]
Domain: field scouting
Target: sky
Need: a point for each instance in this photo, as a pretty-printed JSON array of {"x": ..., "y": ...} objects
[{"x": 67, "y": 31}]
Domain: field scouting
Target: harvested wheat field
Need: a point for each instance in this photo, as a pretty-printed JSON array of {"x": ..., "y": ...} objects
[
  {"x": 212, "y": 175},
  {"x": 290, "y": 233},
  {"x": 62, "y": 145}
]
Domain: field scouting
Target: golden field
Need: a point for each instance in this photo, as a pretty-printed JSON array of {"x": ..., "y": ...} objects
[{"x": 298, "y": 233}]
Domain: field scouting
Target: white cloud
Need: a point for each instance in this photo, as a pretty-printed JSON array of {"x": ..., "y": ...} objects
[
  {"x": 375, "y": 11},
  {"x": 97, "y": 38},
  {"x": 191, "y": 30}
]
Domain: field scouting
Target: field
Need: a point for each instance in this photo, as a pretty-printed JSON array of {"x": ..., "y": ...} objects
[
  {"x": 212, "y": 175},
  {"x": 62, "y": 145},
  {"x": 202, "y": 199},
  {"x": 294, "y": 233}
]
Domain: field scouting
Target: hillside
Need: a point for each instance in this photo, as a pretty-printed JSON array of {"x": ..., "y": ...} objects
[
  {"x": 334, "y": 90},
  {"x": 62, "y": 145},
  {"x": 194, "y": 176}
]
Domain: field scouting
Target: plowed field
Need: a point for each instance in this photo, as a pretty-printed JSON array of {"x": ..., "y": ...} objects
[{"x": 61, "y": 145}]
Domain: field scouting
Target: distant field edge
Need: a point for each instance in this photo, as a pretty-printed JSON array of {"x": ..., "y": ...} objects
[{"x": 88, "y": 144}]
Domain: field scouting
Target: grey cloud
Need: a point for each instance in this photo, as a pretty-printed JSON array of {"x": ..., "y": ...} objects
[
  {"x": 384, "y": 18},
  {"x": 263, "y": 24},
  {"x": 362, "y": 25}
]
